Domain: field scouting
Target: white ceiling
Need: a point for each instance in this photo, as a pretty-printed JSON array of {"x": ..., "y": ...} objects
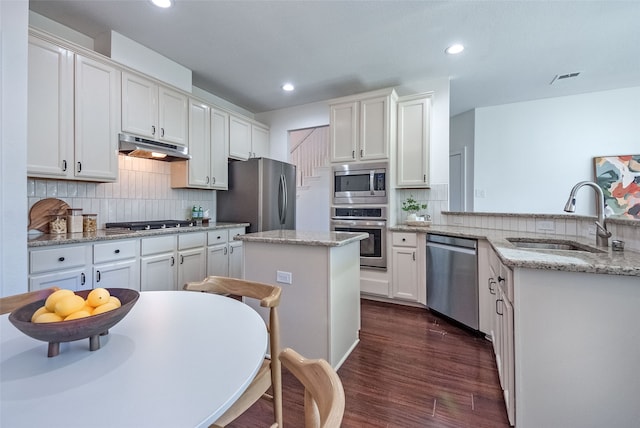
[{"x": 243, "y": 51}]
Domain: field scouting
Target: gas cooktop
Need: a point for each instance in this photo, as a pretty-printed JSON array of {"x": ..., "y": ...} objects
[{"x": 148, "y": 225}]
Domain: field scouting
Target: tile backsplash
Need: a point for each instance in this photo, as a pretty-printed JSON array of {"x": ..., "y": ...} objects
[
  {"x": 436, "y": 198},
  {"x": 143, "y": 192}
]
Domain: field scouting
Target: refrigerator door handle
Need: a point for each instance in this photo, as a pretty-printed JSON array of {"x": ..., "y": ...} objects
[
  {"x": 286, "y": 200},
  {"x": 281, "y": 199}
]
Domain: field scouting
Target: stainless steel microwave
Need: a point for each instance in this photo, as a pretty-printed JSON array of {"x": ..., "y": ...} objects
[{"x": 364, "y": 183}]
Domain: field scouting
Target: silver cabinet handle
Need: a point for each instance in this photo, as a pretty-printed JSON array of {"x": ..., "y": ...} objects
[{"x": 97, "y": 276}]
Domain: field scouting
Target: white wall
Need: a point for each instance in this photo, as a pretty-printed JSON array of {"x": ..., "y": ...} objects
[
  {"x": 461, "y": 137},
  {"x": 282, "y": 121},
  {"x": 13, "y": 146},
  {"x": 529, "y": 155}
]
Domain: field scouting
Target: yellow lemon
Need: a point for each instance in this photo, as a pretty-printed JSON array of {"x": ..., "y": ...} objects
[
  {"x": 68, "y": 305},
  {"x": 53, "y": 298},
  {"x": 39, "y": 312},
  {"x": 98, "y": 296},
  {"x": 115, "y": 300},
  {"x": 48, "y": 317},
  {"x": 83, "y": 313},
  {"x": 104, "y": 308}
]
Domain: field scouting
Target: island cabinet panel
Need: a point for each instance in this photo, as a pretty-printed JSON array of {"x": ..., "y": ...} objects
[
  {"x": 320, "y": 310},
  {"x": 572, "y": 368}
]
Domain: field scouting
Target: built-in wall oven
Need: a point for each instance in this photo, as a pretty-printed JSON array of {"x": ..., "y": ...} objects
[{"x": 369, "y": 220}]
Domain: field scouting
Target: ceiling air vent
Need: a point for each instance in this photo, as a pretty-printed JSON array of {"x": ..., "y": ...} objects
[{"x": 559, "y": 77}]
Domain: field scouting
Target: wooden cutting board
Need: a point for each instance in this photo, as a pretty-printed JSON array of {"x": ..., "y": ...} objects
[{"x": 41, "y": 210}]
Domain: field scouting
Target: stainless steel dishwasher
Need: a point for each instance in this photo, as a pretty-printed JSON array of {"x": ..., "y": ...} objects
[{"x": 452, "y": 278}]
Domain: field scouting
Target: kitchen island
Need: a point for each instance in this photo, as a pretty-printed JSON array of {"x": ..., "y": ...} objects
[{"x": 319, "y": 273}]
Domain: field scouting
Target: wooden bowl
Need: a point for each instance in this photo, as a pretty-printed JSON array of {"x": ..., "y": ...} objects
[{"x": 67, "y": 331}]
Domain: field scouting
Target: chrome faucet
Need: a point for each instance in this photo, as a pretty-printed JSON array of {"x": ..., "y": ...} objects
[{"x": 602, "y": 234}]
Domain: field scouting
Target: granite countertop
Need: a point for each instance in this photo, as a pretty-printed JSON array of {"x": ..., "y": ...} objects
[
  {"x": 298, "y": 237},
  {"x": 45, "y": 239},
  {"x": 605, "y": 261}
]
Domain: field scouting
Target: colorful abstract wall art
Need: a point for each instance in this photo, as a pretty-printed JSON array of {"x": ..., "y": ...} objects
[{"x": 619, "y": 178}]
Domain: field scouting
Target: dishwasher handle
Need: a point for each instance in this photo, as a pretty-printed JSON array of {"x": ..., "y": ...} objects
[{"x": 452, "y": 248}]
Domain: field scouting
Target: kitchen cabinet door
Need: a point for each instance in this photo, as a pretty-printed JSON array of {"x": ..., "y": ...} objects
[
  {"x": 239, "y": 138},
  {"x": 405, "y": 273},
  {"x": 172, "y": 116},
  {"x": 73, "y": 279},
  {"x": 219, "y": 150},
  {"x": 49, "y": 110},
  {"x": 197, "y": 169},
  {"x": 97, "y": 120},
  {"x": 139, "y": 106},
  {"x": 124, "y": 274},
  {"x": 375, "y": 119},
  {"x": 192, "y": 266},
  {"x": 259, "y": 141},
  {"x": 236, "y": 259},
  {"x": 158, "y": 272},
  {"x": 413, "y": 141},
  {"x": 343, "y": 131},
  {"x": 218, "y": 260}
]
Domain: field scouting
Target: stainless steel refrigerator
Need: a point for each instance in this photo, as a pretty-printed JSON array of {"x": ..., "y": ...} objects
[{"x": 261, "y": 192}]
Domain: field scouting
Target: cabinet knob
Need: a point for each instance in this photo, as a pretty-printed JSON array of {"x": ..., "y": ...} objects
[
  {"x": 117, "y": 251},
  {"x": 500, "y": 279},
  {"x": 60, "y": 259},
  {"x": 404, "y": 239}
]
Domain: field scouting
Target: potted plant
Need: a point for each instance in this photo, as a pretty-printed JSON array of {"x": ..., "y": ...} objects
[{"x": 411, "y": 206}]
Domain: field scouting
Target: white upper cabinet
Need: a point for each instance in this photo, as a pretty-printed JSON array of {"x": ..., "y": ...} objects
[
  {"x": 247, "y": 139},
  {"x": 361, "y": 127},
  {"x": 208, "y": 147},
  {"x": 153, "y": 111},
  {"x": 97, "y": 120},
  {"x": 219, "y": 149},
  {"x": 73, "y": 114},
  {"x": 239, "y": 138},
  {"x": 413, "y": 141},
  {"x": 173, "y": 116},
  {"x": 259, "y": 141}
]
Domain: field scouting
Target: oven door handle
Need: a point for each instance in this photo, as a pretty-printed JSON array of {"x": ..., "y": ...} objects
[{"x": 364, "y": 224}]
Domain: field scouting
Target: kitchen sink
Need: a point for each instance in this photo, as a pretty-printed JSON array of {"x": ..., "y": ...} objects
[{"x": 552, "y": 244}]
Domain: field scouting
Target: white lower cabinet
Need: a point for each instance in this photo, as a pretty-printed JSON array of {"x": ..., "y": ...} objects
[
  {"x": 115, "y": 264},
  {"x": 405, "y": 266},
  {"x": 64, "y": 266},
  {"x": 501, "y": 286},
  {"x": 224, "y": 255},
  {"x": 192, "y": 258},
  {"x": 158, "y": 268}
]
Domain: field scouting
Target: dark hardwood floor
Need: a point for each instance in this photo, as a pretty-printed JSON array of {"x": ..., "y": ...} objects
[{"x": 410, "y": 369}]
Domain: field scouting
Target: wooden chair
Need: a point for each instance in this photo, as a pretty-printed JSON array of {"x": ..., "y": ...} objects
[
  {"x": 269, "y": 374},
  {"x": 11, "y": 303},
  {"x": 323, "y": 392}
]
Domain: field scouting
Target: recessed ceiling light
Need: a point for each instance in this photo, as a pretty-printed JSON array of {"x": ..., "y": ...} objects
[
  {"x": 288, "y": 87},
  {"x": 162, "y": 3},
  {"x": 454, "y": 49}
]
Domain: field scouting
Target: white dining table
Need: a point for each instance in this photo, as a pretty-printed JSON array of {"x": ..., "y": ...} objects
[{"x": 178, "y": 359}]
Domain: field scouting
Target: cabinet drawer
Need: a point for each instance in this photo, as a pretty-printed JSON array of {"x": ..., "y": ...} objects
[
  {"x": 404, "y": 240},
  {"x": 113, "y": 251},
  {"x": 236, "y": 231},
  {"x": 58, "y": 258},
  {"x": 219, "y": 236},
  {"x": 191, "y": 240},
  {"x": 159, "y": 244}
]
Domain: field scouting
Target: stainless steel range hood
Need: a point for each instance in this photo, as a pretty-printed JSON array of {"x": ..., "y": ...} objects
[{"x": 150, "y": 149}]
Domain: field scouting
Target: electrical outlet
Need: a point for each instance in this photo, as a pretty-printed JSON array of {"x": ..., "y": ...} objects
[{"x": 283, "y": 277}]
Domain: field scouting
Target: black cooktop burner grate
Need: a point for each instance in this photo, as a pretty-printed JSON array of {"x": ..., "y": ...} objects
[{"x": 148, "y": 225}]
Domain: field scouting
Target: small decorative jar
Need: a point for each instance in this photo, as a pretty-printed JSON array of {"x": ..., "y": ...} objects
[
  {"x": 74, "y": 220},
  {"x": 90, "y": 222},
  {"x": 57, "y": 224}
]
